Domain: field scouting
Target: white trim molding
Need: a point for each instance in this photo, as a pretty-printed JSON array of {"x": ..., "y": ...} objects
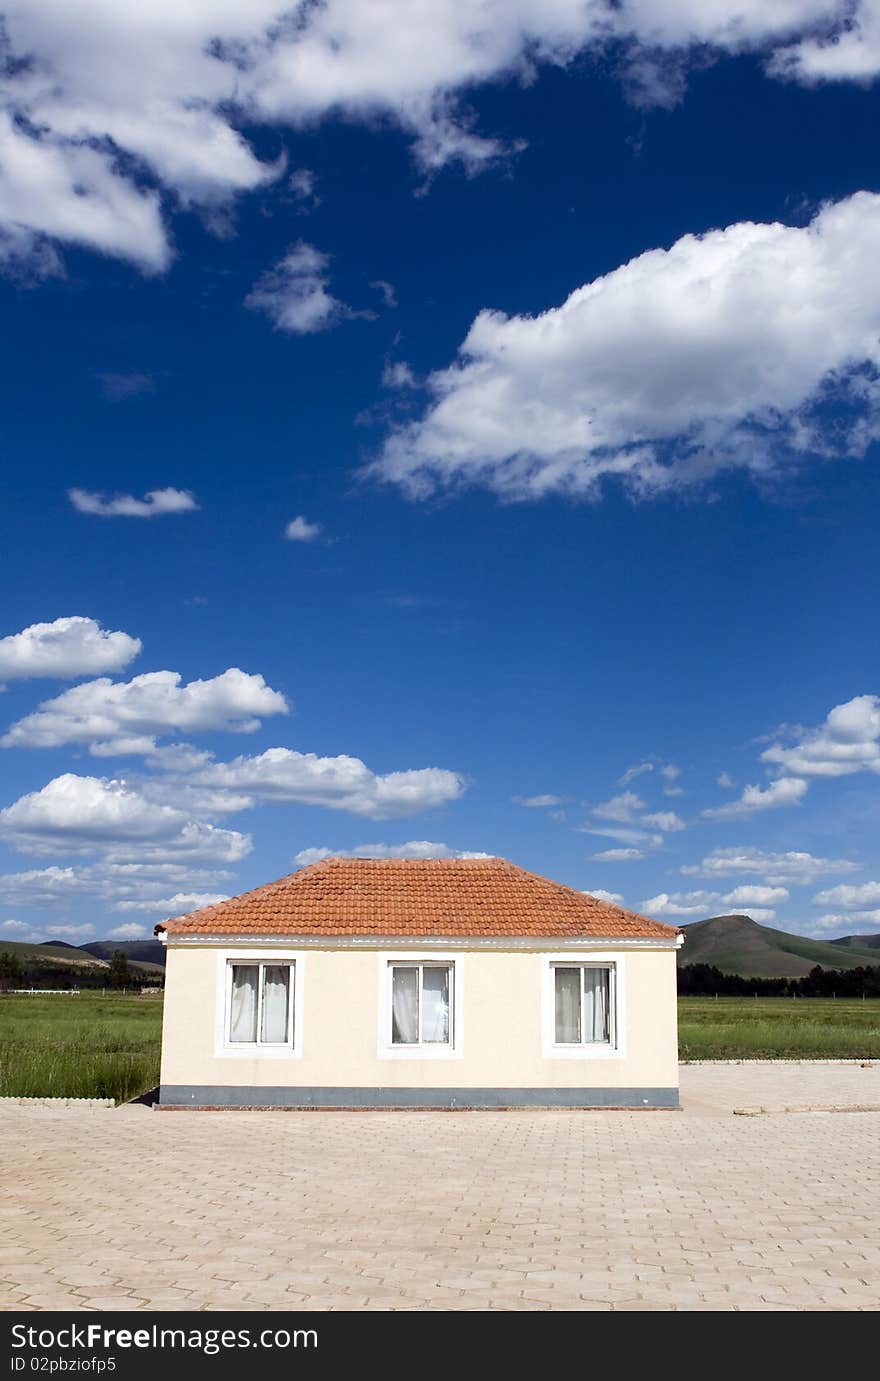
[
  {"x": 223, "y": 1048},
  {"x": 615, "y": 1049},
  {"x": 414, "y": 943},
  {"x": 455, "y": 1049}
]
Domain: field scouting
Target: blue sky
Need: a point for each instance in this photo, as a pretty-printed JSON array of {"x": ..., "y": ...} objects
[{"x": 464, "y": 417}]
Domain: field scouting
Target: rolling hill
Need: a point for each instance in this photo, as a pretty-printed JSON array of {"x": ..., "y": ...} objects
[
  {"x": 861, "y": 942},
  {"x": 141, "y": 954},
  {"x": 737, "y": 944},
  {"x": 56, "y": 964},
  {"x": 59, "y": 953}
]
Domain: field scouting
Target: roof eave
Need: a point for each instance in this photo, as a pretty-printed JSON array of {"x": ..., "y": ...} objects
[{"x": 213, "y": 939}]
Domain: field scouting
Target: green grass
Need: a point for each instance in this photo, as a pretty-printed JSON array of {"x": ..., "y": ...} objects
[
  {"x": 79, "y": 1046},
  {"x": 730, "y": 1028},
  {"x": 89, "y": 1046}
]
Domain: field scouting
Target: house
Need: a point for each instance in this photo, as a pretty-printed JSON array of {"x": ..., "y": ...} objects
[{"x": 379, "y": 983}]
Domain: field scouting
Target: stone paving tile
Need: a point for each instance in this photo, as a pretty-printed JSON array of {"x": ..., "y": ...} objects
[{"x": 505, "y": 1212}]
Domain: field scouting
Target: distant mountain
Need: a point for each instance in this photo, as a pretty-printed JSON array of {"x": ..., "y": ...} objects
[
  {"x": 52, "y": 952},
  {"x": 862, "y": 942},
  {"x": 737, "y": 944},
  {"x": 149, "y": 954},
  {"x": 50, "y": 965},
  {"x": 57, "y": 964}
]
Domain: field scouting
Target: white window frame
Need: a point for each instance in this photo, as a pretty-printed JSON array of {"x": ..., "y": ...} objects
[
  {"x": 430, "y": 1051},
  {"x": 224, "y": 1048},
  {"x": 615, "y": 1048}
]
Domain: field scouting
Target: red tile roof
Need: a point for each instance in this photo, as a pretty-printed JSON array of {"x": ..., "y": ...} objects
[{"x": 473, "y": 897}]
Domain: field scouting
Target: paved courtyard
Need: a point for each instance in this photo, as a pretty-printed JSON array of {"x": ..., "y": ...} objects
[{"x": 132, "y": 1209}]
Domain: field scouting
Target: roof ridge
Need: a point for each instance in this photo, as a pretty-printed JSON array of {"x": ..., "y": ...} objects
[{"x": 368, "y": 858}]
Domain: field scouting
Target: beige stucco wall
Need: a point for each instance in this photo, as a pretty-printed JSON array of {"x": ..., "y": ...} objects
[{"x": 499, "y": 1024}]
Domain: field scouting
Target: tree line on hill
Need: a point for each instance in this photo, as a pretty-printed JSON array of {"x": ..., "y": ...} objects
[
  {"x": 704, "y": 980},
  {"x": 19, "y": 972}
]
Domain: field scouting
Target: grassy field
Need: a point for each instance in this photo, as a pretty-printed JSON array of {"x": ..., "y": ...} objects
[
  {"x": 730, "y": 1028},
  {"x": 83, "y": 1046},
  {"x": 90, "y": 1046}
]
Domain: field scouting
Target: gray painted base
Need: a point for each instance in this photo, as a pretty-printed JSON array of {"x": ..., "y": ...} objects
[{"x": 230, "y": 1096}]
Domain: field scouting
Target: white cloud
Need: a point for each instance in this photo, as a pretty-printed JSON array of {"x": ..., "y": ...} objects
[
  {"x": 178, "y": 905},
  {"x": 665, "y": 820},
  {"x": 302, "y": 182},
  {"x": 712, "y": 355},
  {"x": 787, "y": 791},
  {"x": 109, "y": 98},
  {"x": 725, "y": 781},
  {"x": 761, "y": 914},
  {"x": 628, "y": 810},
  {"x": 313, "y": 855},
  {"x": 108, "y": 882},
  {"x": 415, "y": 848},
  {"x": 622, "y": 807},
  {"x": 637, "y": 770},
  {"x": 130, "y": 931},
  {"x": 847, "y": 742},
  {"x": 125, "y": 716},
  {"x": 42, "y": 886},
  {"x": 386, "y": 292},
  {"x": 294, "y": 294},
  {"x": 299, "y": 529},
  {"x": 154, "y": 504},
  {"x": 851, "y": 922},
  {"x": 73, "y": 193},
  {"x": 624, "y": 834},
  {"x": 71, "y": 932},
  {"x": 600, "y": 892},
  {"x": 398, "y": 374},
  {"x": 340, "y": 783},
  {"x": 179, "y": 757},
  {"x": 749, "y": 895},
  {"x": 119, "y": 385},
  {"x": 95, "y": 814},
  {"x": 198, "y": 842},
  {"x": 850, "y": 895},
  {"x": 533, "y": 802},
  {"x": 100, "y": 84},
  {"x": 619, "y": 855},
  {"x": 21, "y": 933},
  {"x": 679, "y": 904},
  {"x": 703, "y": 904},
  {"x": 671, "y": 773},
  {"x": 87, "y": 809},
  {"x": 27, "y": 258},
  {"x": 847, "y": 49},
  {"x": 66, "y": 648},
  {"x": 777, "y": 868}
]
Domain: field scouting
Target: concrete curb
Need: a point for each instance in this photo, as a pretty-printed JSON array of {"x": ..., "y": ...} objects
[
  {"x": 808, "y": 1107},
  {"x": 863, "y": 1061},
  {"x": 98, "y": 1104}
]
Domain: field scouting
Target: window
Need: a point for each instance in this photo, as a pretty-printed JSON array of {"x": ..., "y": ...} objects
[
  {"x": 421, "y": 1004},
  {"x": 583, "y": 1001},
  {"x": 260, "y": 1004}
]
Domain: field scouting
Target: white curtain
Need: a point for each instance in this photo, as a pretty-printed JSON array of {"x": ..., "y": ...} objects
[
  {"x": 404, "y": 1006},
  {"x": 276, "y": 981},
  {"x": 243, "y": 1014},
  {"x": 568, "y": 1006},
  {"x": 596, "y": 1005},
  {"x": 435, "y": 1006}
]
